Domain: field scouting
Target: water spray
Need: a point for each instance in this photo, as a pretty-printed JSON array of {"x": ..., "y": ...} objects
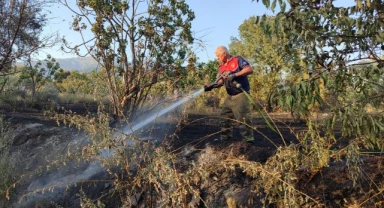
[
  {"x": 130, "y": 129},
  {"x": 61, "y": 181}
]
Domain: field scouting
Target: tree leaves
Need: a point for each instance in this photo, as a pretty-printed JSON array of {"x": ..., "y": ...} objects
[
  {"x": 273, "y": 6},
  {"x": 21, "y": 25},
  {"x": 266, "y": 52},
  {"x": 266, "y": 3},
  {"x": 334, "y": 39},
  {"x": 144, "y": 40}
]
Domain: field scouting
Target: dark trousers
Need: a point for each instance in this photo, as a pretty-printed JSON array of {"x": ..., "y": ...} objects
[{"x": 236, "y": 111}]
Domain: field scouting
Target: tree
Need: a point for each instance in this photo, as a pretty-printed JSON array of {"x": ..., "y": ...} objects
[
  {"x": 22, "y": 22},
  {"x": 335, "y": 40},
  {"x": 77, "y": 83},
  {"x": 341, "y": 46},
  {"x": 61, "y": 75},
  {"x": 38, "y": 74},
  {"x": 211, "y": 69},
  {"x": 136, "y": 42}
]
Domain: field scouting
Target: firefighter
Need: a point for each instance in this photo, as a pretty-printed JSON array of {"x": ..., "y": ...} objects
[{"x": 232, "y": 74}]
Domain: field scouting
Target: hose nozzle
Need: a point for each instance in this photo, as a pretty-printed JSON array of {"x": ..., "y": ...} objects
[{"x": 209, "y": 87}]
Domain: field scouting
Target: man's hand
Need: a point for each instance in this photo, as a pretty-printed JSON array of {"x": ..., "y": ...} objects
[
  {"x": 208, "y": 87},
  {"x": 231, "y": 77}
]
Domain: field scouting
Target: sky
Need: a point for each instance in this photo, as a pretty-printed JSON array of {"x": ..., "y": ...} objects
[{"x": 215, "y": 23}]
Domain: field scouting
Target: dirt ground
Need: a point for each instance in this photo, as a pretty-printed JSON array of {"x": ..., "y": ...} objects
[{"x": 331, "y": 185}]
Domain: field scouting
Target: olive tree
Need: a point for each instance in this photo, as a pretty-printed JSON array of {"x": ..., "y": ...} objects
[{"x": 137, "y": 42}]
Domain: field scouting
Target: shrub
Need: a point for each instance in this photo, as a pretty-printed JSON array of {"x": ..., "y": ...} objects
[{"x": 48, "y": 93}]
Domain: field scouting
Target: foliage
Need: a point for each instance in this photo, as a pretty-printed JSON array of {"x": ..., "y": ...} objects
[
  {"x": 35, "y": 77},
  {"x": 147, "y": 175},
  {"x": 266, "y": 54},
  {"x": 341, "y": 49},
  {"x": 48, "y": 93},
  {"x": 192, "y": 75},
  {"x": 136, "y": 42},
  {"x": 12, "y": 92},
  {"x": 79, "y": 87},
  {"x": 277, "y": 178},
  {"x": 263, "y": 51},
  {"x": 20, "y": 30},
  {"x": 6, "y": 166},
  {"x": 210, "y": 70},
  {"x": 60, "y": 75},
  {"x": 298, "y": 98},
  {"x": 207, "y": 102},
  {"x": 357, "y": 105},
  {"x": 334, "y": 41},
  {"x": 76, "y": 82}
]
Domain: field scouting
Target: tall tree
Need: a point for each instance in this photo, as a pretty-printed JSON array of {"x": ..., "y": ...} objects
[
  {"x": 21, "y": 25},
  {"x": 137, "y": 42},
  {"x": 334, "y": 41}
]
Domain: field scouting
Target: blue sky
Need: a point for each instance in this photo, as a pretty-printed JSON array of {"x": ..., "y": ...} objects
[
  {"x": 220, "y": 20},
  {"x": 216, "y": 22}
]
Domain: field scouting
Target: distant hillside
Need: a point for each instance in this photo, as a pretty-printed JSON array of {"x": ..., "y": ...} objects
[
  {"x": 69, "y": 64},
  {"x": 80, "y": 64}
]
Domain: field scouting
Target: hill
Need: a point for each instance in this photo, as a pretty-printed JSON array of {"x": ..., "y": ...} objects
[
  {"x": 83, "y": 64},
  {"x": 79, "y": 63}
]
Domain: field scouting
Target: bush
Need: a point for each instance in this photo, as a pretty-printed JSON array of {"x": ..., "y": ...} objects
[{"x": 48, "y": 93}]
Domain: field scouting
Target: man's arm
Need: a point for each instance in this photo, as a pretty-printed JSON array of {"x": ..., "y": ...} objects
[
  {"x": 245, "y": 67},
  {"x": 220, "y": 81},
  {"x": 245, "y": 71}
]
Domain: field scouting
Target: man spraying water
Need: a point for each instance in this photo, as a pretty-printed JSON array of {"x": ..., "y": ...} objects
[{"x": 232, "y": 74}]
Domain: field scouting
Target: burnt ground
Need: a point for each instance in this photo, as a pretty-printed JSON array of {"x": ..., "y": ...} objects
[
  {"x": 332, "y": 185},
  {"x": 200, "y": 130}
]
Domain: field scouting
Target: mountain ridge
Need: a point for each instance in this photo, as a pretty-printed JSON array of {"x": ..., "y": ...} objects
[{"x": 84, "y": 64}]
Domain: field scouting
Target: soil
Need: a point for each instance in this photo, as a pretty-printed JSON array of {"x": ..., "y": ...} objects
[{"x": 332, "y": 185}]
